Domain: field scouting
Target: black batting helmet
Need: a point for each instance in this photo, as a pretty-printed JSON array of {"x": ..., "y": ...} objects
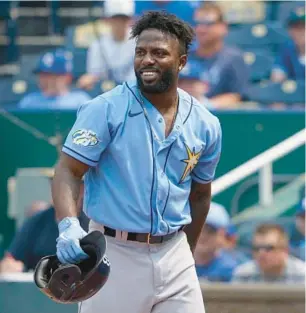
[{"x": 71, "y": 283}]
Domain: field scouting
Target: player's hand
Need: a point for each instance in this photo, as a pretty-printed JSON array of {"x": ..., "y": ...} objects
[{"x": 68, "y": 249}]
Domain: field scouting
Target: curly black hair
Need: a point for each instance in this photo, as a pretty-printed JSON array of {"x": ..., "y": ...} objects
[{"x": 166, "y": 23}]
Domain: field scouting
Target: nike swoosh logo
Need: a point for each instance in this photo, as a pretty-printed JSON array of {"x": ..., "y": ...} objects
[{"x": 134, "y": 114}]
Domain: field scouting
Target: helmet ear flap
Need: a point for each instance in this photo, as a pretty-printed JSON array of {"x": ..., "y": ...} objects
[
  {"x": 63, "y": 279},
  {"x": 43, "y": 270}
]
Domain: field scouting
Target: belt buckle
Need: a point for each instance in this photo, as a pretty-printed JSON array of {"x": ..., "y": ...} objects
[{"x": 148, "y": 238}]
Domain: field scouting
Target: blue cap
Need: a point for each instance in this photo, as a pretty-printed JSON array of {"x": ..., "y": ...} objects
[
  {"x": 300, "y": 209},
  {"x": 231, "y": 230},
  {"x": 296, "y": 15},
  {"x": 55, "y": 62},
  {"x": 217, "y": 216},
  {"x": 191, "y": 71}
]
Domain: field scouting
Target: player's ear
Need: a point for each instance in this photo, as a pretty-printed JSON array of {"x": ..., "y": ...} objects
[{"x": 182, "y": 61}]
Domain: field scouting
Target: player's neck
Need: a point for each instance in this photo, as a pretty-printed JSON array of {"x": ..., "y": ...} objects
[{"x": 163, "y": 101}]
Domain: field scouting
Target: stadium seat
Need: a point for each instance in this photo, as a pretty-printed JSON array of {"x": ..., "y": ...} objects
[
  {"x": 79, "y": 62},
  {"x": 54, "y": 17},
  {"x": 27, "y": 64},
  {"x": 101, "y": 87},
  {"x": 259, "y": 64},
  {"x": 284, "y": 9},
  {"x": 12, "y": 91},
  {"x": 244, "y": 12},
  {"x": 82, "y": 36},
  {"x": 259, "y": 36},
  {"x": 8, "y": 25},
  {"x": 5, "y": 7},
  {"x": 289, "y": 92}
]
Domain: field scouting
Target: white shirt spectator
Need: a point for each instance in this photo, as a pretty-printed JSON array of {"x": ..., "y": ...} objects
[
  {"x": 249, "y": 273},
  {"x": 114, "y": 58}
]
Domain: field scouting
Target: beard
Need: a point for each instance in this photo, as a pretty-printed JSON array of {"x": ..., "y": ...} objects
[{"x": 163, "y": 84}]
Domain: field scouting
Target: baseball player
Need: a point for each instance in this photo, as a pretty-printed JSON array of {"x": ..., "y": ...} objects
[{"x": 149, "y": 153}]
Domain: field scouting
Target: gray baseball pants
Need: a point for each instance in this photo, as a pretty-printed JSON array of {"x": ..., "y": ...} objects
[{"x": 155, "y": 278}]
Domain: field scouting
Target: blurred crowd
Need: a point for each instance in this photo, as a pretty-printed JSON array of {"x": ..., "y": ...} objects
[
  {"x": 276, "y": 254},
  {"x": 219, "y": 74}
]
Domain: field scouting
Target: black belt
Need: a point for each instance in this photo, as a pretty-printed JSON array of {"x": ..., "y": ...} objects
[{"x": 142, "y": 237}]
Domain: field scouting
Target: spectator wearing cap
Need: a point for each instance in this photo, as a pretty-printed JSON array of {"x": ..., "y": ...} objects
[
  {"x": 190, "y": 81},
  {"x": 290, "y": 61},
  {"x": 271, "y": 260},
  {"x": 111, "y": 56},
  {"x": 212, "y": 262},
  {"x": 182, "y": 9},
  {"x": 54, "y": 71},
  {"x": 297, "y": 235},
  {"x": 223, "y": 68}
]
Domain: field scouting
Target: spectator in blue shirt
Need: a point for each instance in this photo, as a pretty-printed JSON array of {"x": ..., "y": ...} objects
[
  {"x": 297, "y": 234},
  {"x": 212, "y": 262},
  {"x": 35, "y": 239},
  {"x": 290, "y": 61},
  {"x": 54, "y": 71},
  {"x": 230, "y": 245},
  {"x": 223, "y": 69},
  {"x": 190, "y": 81},
  {"x": 182, "y": 9}
]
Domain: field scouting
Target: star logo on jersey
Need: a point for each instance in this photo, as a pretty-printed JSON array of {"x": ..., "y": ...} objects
[
  {"x": 191, "y": 161},
  {"x": 85, "y": 137}
]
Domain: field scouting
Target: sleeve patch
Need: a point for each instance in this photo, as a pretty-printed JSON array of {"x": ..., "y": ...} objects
[{"x": 85, "y": 137}]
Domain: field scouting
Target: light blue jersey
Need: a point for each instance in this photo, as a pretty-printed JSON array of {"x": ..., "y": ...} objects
[{"x": 139, "y": 181}]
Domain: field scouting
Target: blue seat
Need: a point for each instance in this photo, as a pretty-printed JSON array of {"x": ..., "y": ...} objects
[
  {"x": 12, "y": 91},
  {"x": 69, "y": 37},
  {"x": 27, "y": 64},
  {"x": 55, "y": 25},
  {"x": 284, "y": 9},
  {"x": 79, "y": 62},
  {"x": 260, "y": 65},
  {"x": 5, "y": 7},
  {"x": 101, "y": 87},
  {"x": 245, "y": 12},
  {"x": 288, "y": 92},
  {"x": 259, "y": 36},
  {"x": 11, "y": 52}
]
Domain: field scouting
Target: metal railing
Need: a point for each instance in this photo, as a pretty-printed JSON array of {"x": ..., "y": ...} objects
[{"x": 262, "y": 163}]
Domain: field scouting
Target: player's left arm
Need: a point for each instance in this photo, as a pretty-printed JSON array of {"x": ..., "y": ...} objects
[
  {"x": 202, "y": 176},
  {"x": 199, "y": 200}
]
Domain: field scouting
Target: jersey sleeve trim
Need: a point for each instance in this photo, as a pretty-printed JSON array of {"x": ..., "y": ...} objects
[
  {"x": 200, "y": 180},
  {"x": 79, "y": 156}
]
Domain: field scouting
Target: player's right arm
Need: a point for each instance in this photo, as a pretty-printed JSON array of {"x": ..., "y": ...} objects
[
  {"x": 85, "y": 142},
  {"x": 66, "y": 185}
]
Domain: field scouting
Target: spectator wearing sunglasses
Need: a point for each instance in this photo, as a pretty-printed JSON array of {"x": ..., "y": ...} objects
[
  {"x": 271, "y": 260},
  {"x": 213, "y": 263},
  {"x": 223, "y": 68}
]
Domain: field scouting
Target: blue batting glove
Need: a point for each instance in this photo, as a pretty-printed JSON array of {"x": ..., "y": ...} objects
[{"x": 68, "y": 249}]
